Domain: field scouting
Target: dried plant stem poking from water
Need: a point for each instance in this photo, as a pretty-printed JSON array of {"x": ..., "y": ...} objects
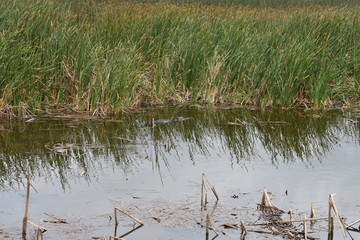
[
  {"x": 207, "y": 225},
  {"x": 290, "y": 212},
  {"x": 266, "y": 204},
  {"x": 39, "y": 231},
  {"x": 243, "y": 230},
  {"x": 204, "y": 190},
  {"x": 128, "y": 215},
  {"x": 305, "y": 228},
  {"x": 38, "y": 227},
  {"x": 312, "y": 211},
  {"x": 330, "y": 227},
  {"x": 353, "y": 223},
  {"x": 265, "y": 200},
  {"x": 333, "y": 206},
  {"x": 26, "y": 208}
]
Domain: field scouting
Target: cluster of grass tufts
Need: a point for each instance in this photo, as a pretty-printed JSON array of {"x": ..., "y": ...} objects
[{"x": 109, "y": 56}]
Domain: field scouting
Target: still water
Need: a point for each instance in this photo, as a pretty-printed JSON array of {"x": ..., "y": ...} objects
[{"x": 82, "y": 168}]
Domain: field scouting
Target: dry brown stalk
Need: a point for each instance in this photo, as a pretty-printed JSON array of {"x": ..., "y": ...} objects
[
  {"x": 292, "y": 221},
  {"x": 331, "y": 228},
  {"x": 275, "y": 231},
  {"x": 207, "y": 226},
  {"x": 128, "y": 215},
  {"x": 333, "y": 206},
  {"x": 38, "y": 226},
  {"x": 61, "y": 220},
  {"x": 312, "y": 211},
  {"x": 330, "y": 223},
  {"x": 291, "y": 215},
  {"x": 204, "y": 190},
  {"x": 203, "y": 197},
  {"x": 212, "y": 187},
  {"x": 243, "y": 230},
  {"x": 353, "y": 223},
  {"x": 227, "y": 225},
  {"x": 26, "y": 208},
  {"x": 39, "y": 234},
  {"x": 265, "y": 201},
  {"x": 267, "y": 206},
  {"x": 305, "y": 228}
]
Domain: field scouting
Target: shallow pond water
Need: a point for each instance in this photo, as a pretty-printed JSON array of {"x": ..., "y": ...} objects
[{"x": 82, "y": 168}]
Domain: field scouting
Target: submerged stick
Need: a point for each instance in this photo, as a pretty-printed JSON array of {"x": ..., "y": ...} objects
[
  {"x": 26, "y": 208},
  {"x": 128, "y": 215}
]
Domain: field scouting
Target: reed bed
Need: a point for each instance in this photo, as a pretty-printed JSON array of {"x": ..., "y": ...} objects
[{"x": 109, "y": 56}]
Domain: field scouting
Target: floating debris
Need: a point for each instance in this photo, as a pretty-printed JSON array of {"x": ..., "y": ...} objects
[{"x": 58, "y": 219}]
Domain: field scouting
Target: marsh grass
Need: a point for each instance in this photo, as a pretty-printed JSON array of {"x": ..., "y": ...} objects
[{"x": 109, "y": 56}]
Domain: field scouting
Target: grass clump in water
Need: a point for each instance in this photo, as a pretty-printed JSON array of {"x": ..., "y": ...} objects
[{"x": 109, "y": 56}]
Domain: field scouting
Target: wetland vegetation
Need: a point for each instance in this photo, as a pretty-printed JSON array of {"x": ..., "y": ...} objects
[
  {"x": 109, "y": 56},
  {"x": 62, "y": 57}
]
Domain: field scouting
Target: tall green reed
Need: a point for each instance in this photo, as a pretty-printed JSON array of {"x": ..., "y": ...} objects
[{"x": 109, "y": 56}]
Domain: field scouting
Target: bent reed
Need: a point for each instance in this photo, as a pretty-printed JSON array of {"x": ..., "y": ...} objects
[{"x": 108, "y": 56}]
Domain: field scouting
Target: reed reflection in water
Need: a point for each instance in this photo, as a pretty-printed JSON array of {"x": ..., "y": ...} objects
[{"x": 63, "y": 149}]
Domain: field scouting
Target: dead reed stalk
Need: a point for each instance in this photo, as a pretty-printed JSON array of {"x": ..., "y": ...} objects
[
  {"x": 312, "y": 211},
  {"x": 204, "y": 190},
  {"x": 126, "y": 214},
  {"x": 59, "y": 219},
  {"x": 265, "y": 200},
  {"x": 243, "y": 230},
  {"x": 342, "y": 225},
  {"x": 292, "y": 221},
  {"x": 305, "y": 228},
  {"x": 25, "y": 219},
  {"x": 267, "y": 206},
  {"x": 207, "y": 226}
]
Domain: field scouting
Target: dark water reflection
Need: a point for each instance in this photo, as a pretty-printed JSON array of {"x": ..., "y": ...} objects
[{"x": 283, "y": 136}]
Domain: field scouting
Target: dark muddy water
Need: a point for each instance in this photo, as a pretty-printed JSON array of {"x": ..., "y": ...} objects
[{"x": 83, "y": 168}]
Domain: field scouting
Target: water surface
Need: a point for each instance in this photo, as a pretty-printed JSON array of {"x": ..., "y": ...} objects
[{"x": 82, "y": 168}]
